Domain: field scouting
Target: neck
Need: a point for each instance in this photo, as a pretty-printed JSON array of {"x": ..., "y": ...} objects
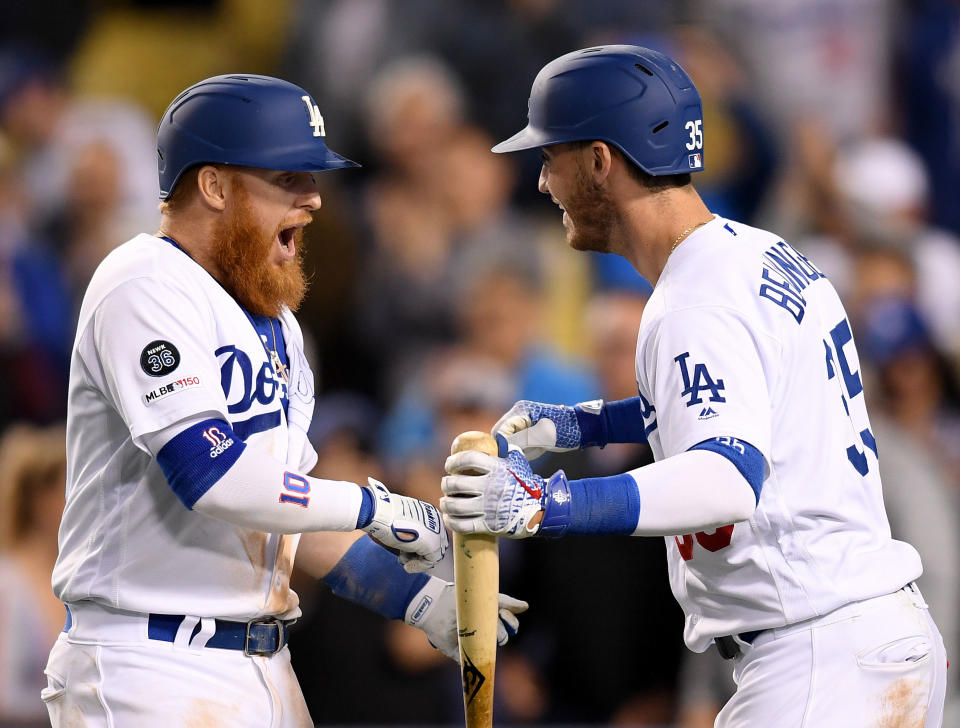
[
  {"x": 651, "y": 224},
  {"x": 195, "y": 236}
]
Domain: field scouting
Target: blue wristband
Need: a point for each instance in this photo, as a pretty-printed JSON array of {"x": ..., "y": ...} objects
[
  {"x": 590, "y": 505},
  {"x": 371, "y": 576},
  {"x": 556, "y": 506},
  {"x": 366, "y": 508},
  {"x": 617, "y": 421}
]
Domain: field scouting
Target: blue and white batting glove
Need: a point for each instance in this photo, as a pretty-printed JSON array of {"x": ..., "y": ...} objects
[
  {"x": 407, "y": 525},
  {"x": 434, "y": 610},
  {"x": 537, "y": 428},
  {"x": 505, "y": 498}
]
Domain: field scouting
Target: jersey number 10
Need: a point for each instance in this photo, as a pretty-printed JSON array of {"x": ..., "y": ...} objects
[{"x": 297, "y": 484}]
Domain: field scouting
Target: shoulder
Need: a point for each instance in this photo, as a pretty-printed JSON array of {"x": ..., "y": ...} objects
[
  {"x": 144, "y": 269},
  {"x": 719, "y": 270}
]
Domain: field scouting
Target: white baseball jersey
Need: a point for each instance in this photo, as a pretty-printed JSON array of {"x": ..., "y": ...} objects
[
  {"x": 745, "y": 338},
  {"x": 160, "y": 341}
]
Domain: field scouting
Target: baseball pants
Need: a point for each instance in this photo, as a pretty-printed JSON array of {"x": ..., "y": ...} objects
[
  {"x": 106, "y": 673},
  {"x": 876, "y": 663}
]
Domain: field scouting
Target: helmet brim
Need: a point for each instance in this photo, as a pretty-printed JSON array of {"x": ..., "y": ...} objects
[
  {"x": 527, "y": 138},
  {"x": 322, "y": 162}
]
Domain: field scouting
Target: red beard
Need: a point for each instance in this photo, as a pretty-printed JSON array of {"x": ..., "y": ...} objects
[{"x": 242, "y": 255}]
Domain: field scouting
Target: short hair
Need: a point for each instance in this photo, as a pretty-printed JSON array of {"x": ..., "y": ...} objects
[
  {"x": 654, "y": 183},
  {"x": 183, "y": 191}
]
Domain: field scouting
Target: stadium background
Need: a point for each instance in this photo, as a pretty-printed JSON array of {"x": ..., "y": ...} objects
[{"x": 443, "y": 289}]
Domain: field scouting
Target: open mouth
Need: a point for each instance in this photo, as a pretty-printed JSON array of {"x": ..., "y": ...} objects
[{"x": 285, "y": 238}]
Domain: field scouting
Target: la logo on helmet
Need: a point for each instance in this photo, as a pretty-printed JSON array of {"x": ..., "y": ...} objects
[{"x": 316, "y": 121}]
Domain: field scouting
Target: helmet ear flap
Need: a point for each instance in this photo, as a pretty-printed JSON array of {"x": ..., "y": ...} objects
[{"x": 634, "y": 98}]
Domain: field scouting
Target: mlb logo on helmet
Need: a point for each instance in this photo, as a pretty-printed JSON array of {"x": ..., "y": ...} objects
[{"x": 695, "y": 160}]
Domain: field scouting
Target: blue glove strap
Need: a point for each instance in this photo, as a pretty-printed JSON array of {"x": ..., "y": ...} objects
[
  {"x": 604, "y": 505},
  {"x": 617, "y": 421},
  {"x": 556, "y": 506},
  {"x": 371, "y": 576}
]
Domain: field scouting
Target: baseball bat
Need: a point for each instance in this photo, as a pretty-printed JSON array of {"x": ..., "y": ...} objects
[{"x": 476, "y": 569}]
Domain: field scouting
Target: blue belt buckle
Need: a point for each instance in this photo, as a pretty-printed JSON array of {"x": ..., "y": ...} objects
[{"x": 251, "y": 651}]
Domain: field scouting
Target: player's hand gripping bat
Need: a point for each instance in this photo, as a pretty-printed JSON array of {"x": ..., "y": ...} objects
[{"x": 476, "y": 575}]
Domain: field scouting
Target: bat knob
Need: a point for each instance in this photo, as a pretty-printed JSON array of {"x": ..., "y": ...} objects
[{"x": 474, "y": 440}]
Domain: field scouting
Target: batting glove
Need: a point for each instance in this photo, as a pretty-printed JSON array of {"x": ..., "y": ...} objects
[
  {"x": 537, "y": 428},
  {"x": 505, "y": 498},
  {"x": 407, "y": 525},
  {"x": 434, "y": 610}
]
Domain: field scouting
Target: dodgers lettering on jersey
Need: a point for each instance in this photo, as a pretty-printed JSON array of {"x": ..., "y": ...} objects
[
  {"x": 744, "y": 339},
  {"x": 159, "y": 341}
]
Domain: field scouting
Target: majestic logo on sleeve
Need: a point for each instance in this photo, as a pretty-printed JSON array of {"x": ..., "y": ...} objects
[
  {"x": 700, "y": 382},
  {"x": 159, "y": 358}
]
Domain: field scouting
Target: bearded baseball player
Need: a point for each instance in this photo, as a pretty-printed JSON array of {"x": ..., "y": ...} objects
[
  {"x": 188, "y": 483},
  {"x": 765, "y": 482}
]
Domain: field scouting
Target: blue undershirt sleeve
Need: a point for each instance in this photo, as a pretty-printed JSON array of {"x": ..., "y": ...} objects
[
  {"x": 745, "y": 457},
  {"x": 371, "y": 576},
  {"x": 195, "y": 459}
]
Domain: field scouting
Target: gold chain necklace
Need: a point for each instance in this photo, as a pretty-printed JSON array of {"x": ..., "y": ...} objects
[
  {"x": 684, "y": 234},
  {"x": 278, "y": 367}
]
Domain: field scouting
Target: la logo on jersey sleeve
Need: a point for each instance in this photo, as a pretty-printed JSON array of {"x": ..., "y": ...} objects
[{"x": 698, "y": 385}]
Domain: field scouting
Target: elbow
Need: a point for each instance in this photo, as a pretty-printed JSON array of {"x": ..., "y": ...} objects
[{"x": 743, "y": 503}]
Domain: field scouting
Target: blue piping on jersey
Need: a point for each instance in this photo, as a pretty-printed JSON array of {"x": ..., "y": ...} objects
[{"x": 257, "y": 423}]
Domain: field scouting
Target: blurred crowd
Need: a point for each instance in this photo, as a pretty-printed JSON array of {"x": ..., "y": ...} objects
[{"x": 443, "y": 290}]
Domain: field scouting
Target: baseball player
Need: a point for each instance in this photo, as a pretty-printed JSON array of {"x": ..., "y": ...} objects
[
  {"x": 188, "y": 481},
  {"x": 765, "y": 482}
]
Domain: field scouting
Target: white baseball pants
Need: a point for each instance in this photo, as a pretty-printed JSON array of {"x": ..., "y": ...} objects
[
  {"x": 106, "y": 673},
  {"x": 876, "y": 663}
]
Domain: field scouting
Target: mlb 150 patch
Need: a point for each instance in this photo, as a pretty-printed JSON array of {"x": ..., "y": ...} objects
[
  {"x": 170, "y": 388},
  {"x": 159, "y": 358}
]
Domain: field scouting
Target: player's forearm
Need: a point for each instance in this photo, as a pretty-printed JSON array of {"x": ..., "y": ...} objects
[
  {"x": 694, "y": 491},
  {"x": 319, "y": 551},
  {"x": 369, "y": 575},
  {"x": 260, "y": 493}
]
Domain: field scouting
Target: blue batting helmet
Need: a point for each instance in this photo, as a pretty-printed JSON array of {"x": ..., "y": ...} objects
[
  {"x": 242, "y": 119},
  {"x": 635, "y": 98}
]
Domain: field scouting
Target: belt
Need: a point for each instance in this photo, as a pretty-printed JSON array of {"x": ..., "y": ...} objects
[
  {"x": 728, "y": 647},
  {"x": 261, "y": 636},
  {"x": 264, "y": 636}
]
